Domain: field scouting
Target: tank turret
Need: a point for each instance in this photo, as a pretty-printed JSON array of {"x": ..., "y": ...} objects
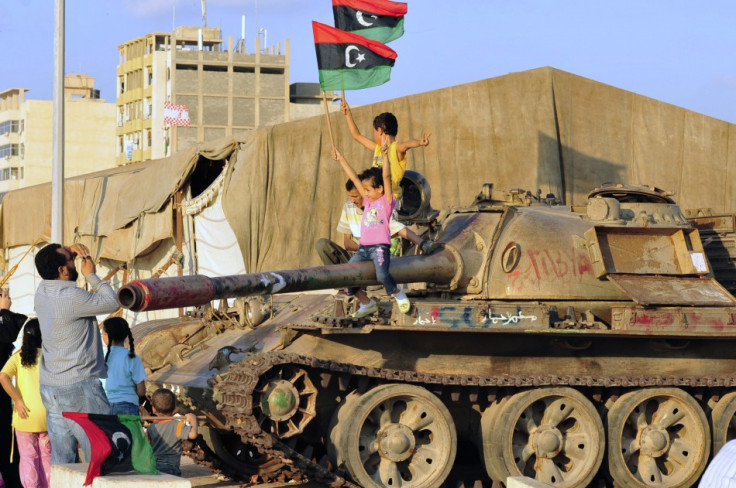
[{"x": 513, "y": 246}]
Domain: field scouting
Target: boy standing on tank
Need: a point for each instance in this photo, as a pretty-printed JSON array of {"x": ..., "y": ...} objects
[
  {"x": 374, "y": 186},
  {"x": 385, "y": 124}
]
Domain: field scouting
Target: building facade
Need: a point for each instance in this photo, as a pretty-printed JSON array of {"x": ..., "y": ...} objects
[
  {"x": 26, "y": 134},
  {"x": 226, "y": 92}
]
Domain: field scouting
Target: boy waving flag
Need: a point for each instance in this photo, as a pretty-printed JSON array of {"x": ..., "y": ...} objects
[
  {"x": 348, "y": 61},
  {"x": 380, "y": 20}
]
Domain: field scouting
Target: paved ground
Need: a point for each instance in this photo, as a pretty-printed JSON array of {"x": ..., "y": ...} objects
[{"x": 201, "y": 477}]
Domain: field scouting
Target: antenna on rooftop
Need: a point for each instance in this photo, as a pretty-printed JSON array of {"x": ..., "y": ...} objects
[
  {"x": 262, "y": 32},
  {"x": 204, "y": 13}
]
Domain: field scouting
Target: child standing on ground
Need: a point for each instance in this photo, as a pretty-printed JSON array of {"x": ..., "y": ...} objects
[
  {"x": 166, "y": 434},
  {"x": 29, "y": 415},
  {"x": 125, "y": 372},
  {"x": 374, "y": 186},
  {"x": 385, "y": 124}
]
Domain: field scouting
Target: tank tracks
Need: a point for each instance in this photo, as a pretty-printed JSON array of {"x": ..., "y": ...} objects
[{"x": 236, "y": 399}]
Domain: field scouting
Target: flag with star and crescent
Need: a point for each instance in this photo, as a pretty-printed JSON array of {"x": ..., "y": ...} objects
[
  {"x": 117, "y": 444},
  {"x": 380, "y": 20},
  {"x": 347, "y": 61}
]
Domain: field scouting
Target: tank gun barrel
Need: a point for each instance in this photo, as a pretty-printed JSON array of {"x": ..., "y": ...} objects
[{"x": 189, "y": 291}]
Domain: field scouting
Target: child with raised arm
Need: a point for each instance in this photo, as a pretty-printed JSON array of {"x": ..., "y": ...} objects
[
  {"x": 385, "y": 124},
  {"x": 166, "y": 434},
  {"x": 125, "y": 372},
  {"x": 374, "y": 186}
]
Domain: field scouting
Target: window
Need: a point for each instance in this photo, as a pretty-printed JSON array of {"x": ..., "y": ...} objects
[
  {"x": 8, "y": 150},
  {"x": 9, "y": 126}
]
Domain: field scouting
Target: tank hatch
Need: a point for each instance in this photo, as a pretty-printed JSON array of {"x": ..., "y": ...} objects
[
  {"x": 655, "y": 265},
  {"x": 632, "y": 193}
]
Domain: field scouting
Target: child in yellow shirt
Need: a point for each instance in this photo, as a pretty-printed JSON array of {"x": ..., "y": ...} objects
[
  {"x": 387, "y": 124},
  {"x": 29, "y": 415}
]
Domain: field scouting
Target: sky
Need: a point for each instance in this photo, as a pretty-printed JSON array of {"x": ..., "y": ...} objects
[{"x": 682, "y": 52}]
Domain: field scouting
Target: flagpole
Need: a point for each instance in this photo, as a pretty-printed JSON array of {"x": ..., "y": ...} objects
[
  {"x": 329, "y": 124},
  {"x": 150, "y": 418}
]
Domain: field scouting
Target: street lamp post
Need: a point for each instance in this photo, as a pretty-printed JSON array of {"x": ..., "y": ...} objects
[{"x": 57, "y": 157}]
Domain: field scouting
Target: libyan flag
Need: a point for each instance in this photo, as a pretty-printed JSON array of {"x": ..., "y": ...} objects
[
  {"x": 117, "y": 444},
  {"x": 348, "y": 61},
  {"x": 380, "y": 20}
]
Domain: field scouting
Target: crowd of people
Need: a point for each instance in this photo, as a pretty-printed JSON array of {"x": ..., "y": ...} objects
[{"x": 61, "y": 367}]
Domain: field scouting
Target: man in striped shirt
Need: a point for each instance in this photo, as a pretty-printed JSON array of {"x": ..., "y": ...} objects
[
  {"x": 72, "y": 362},
  {"x": 721, "y": 472}
]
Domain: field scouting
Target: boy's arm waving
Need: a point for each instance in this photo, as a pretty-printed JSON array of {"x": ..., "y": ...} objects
[
  {"x": 403, "y": 146},
  {"x": 354, "y": 131}
]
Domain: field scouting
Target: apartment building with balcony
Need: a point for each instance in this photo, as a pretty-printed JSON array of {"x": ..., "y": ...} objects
[
  {"x": 227, "y": 91},
  {"x": 26, "y": 134}
]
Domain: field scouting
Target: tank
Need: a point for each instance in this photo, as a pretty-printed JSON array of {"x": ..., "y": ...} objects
[{"x": 578, "y": 345}]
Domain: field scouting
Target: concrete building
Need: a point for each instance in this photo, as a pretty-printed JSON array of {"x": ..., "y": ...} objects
[
  {"x": 227, "y": 92},
  {"x": 26, "y": 134}
]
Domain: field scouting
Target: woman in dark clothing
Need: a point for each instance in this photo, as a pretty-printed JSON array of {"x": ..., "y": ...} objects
[{"x": 10, "y": 324}]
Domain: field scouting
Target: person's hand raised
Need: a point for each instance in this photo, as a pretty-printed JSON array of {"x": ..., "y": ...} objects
[
  {"x": 78, "y": 250},
  {"x": 425, "y": 139},
  {"x": 88, "y": 266}
]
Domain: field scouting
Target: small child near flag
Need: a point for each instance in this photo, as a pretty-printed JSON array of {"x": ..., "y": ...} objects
[
  {"x": 166, "y": 435},
  {"x": 374, "y": 186},
  {"x": 385, "y": 124}
]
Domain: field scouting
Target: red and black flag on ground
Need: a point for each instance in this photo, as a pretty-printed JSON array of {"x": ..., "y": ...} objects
[
  {"x": 348, "y": 61},
  {"x": 117, "y": 444},
  {"x": 380, "y": 20}
]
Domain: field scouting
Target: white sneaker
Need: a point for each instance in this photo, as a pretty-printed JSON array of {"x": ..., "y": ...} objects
[
  {"x": 402, "y": 301},
  {"x": 366, "y": 309}
]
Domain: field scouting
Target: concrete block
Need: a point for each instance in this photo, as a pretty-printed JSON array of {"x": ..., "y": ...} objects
[
  {"x": 524, "y": 482},
  {"x": 72, "y": 476}
]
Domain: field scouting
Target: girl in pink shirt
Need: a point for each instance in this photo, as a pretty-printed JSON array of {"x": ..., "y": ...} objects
[{"x": 374, "y": 184}]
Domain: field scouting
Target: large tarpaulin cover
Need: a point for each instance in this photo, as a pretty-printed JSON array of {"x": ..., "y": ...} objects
[
  {"x": 540, "y": 129},
  {"x": 118, "y": 213}
]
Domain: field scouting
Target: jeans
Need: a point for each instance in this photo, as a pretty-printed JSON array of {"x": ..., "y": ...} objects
[
  {"x": 86, "y": 396},
  {"x": 380, "y": 254},
  {"x": 35, "y": 454},
  {"x": 125, "y": 408},
  {"x": 168, "y": 469}
]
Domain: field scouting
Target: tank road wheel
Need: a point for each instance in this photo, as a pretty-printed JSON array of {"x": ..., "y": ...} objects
[
  {"x": 657, "y": 437},
  {"x": 286, "y": 400},
  {"x": 724, "y": 421},
  {"x": 488, "y": 425},
  {"x": 395, "y": 436},
  {"x": 554, "y": 435}
]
